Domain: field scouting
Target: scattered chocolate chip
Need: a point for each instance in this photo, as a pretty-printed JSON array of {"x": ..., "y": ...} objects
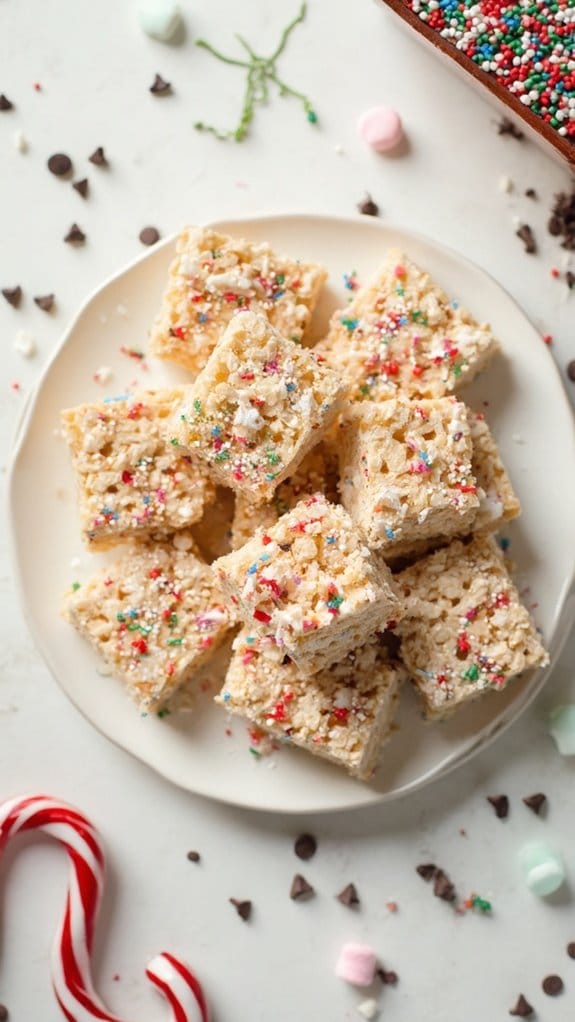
[
  {"x": 60, "y": 164},
  {"x": 194, "y": 856},
  {"x": 45, "y": 302},
  {"x": 427, "y": 870},
  {"x": 442, "y": 886},
  {"x": 285, "y": 546},
  {"x": 75, "y": 235},
  {"x": 562, "y": 222},
  {"x": 507, "y": 127},
  {"x": 300, "y": 890},
  {"x": 571, "y": 949},
  {"x": 552, "y": 985},
  {"x": 243, "y": 908},
  {"x": 368, "y": 207},
  {"x": 159, "y": 87},
  {"x": 535, "y": 802},
  {"x": 81, "y": 187},
  {"x": 349, "y": 896},
  {"x": 3, "y": 1013},
  {"x": 388, "y": 977},
  {"x": 149, "y": 235},
  {"x": 98, "y": 157},
  {"x": 5, "y": 103},
  {"x": 570, "y": 279},
  {"x": 571, "y": 370},
  {"x": 530, "y": 193},
  {"x": 305, "y": 846},
  {"x": 527, "y": 237},
  {"x": 13, "y": 295},
  {"x": 501, "y": 805},
  {"x": 522, "y": 1008}
]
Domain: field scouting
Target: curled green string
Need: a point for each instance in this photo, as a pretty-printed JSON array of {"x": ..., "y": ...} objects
[{"x": 261, "y": 71}]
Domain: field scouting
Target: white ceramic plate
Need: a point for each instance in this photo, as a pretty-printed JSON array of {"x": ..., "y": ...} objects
[{"x": 524, "y": 403}]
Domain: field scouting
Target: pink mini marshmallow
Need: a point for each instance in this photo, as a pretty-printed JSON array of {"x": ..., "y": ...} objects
[
  {"x": 356, "y": 964},
  {"x": 381, "y": 128}
]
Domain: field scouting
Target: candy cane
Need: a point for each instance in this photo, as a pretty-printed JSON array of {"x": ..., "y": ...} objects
[{"x": 71, "y": 968}]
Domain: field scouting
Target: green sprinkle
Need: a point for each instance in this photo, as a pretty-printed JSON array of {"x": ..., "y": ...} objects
[
  {"x": 76, "y": 586},
  {"x": 175, "y": 441},
  {"x": 163, "y": 713},
  {"x": 456, "y": 368},
  {"x": 120, "y": 617},
  {"x": 280, "y": 278},
  {"x": 272, "y": 457},
  {"x": 255, "y": 753},
  {"x": 481, "y": 903},
  {"x": 472, "y": 673},
  {"x": 197, "y": 405},
  {"x": 174, "y": 642},
  {"x": 222, "y": 456}
]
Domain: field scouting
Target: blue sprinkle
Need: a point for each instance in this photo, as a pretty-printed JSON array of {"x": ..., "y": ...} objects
[
  {"x": 146, "y": 498},
  {"x": 278, "y": 294},
  {"x": 454, "y": 304},
  {"x": 120, "y": 397},
  {"x": 202, "y": 317},
  {"x": 330, "y": 539},
  {"x": 264, "y": 558},
  {"x": 424, "y": 457},
  {"x": 216, "y": 430},
  {"x": 290, "y": 387},
  {"x": 390, "y": 533},
  {"x": 504, "y": 542},
  {"x": 252, "y": 569},
  {"x": 226, "y": 697}
]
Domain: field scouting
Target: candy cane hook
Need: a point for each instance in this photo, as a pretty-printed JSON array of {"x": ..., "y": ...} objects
[{"x": 71, "y": 955}]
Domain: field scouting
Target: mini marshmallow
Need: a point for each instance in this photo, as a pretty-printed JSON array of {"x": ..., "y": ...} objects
[
  {"x": 356, "y": 964},
  {"x": 562, "y": 728},
  {"x": 160, "y": 19},
  {"x": 381, "y": 128},
  {"x": 542, "y": 868},
  {"x": 25, "y": 344},
  {"x": 368, "y": 1009}
]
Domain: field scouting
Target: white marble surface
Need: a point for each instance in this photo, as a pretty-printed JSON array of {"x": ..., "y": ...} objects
[{"x": 95, "y": 68}]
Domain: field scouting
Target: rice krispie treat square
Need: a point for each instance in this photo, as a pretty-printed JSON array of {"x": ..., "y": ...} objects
[
  {"x": 212, "y": 277},
  {"x": 402, "y": 332},
  {"x": 343, "y": 714},
  {"x": 155, "y": 615},
  {"x": 257, "y": 408},
  {"x": 317, "y": 473},
  {"x": 405, "y": 471},
  {"x": 131, "y": 481},
  {"x": 310, "y": 584},
  {"x": 497, "y": 500},
  {"x": 465, "y": 630}
]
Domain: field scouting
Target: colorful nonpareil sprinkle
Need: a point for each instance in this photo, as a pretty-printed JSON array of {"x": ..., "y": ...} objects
[
  {"x": 527, "y": 46},
  {"x": 261, "y": 73}
]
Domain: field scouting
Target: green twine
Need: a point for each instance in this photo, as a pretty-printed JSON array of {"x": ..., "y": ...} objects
[{"x": 260, "y": 72}]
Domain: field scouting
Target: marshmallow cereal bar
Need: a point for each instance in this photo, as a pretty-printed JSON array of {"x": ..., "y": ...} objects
[{"x": 212, "y": 277}]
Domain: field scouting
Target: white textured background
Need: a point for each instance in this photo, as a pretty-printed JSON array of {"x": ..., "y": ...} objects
[{"x": 95, "y": 67}]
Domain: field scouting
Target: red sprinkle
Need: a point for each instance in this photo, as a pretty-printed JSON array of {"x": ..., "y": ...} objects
[
  {"x": 140, "y": 645},
  {"x": 127, "y": 477},
  {"x": 260, "y": 615}
]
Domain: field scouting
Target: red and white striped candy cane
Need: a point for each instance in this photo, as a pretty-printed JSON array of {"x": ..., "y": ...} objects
[{"x": 71, "y": 965}]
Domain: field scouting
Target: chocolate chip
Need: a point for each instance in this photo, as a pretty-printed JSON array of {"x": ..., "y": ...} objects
[
  {"x": 522, "y": 1008},
  {"x": 528, "y": 239},
  {"x": 535, "y": 802},
  {"x": 571, "y": 949},
  {"x": 501, "y": 805},
  {"x": 571, "y": 370},
  {"x": 13, "y": 295},
  {"x": 305, "y": 846},
  {"x": 3, "y": 1013},
  {"x": 98, "y": 157},
  {"x": 507, "y": 127},
  {"x": 75, "y": 235},
  {"x": 194, "y": 856},
  {"x": 570, "y": 279},
  {"x": 442, "y": 886},
  {"x": 531, "y": 193},
  {"x": 45, "y": 302},
  {"x": 60, "y": 164},
  {"x": 81, "y": 187},
  {"x": 243, "y": 908},
  {"x": 552, "y": 985},
  {"x": 427, "y": 870},
  {"x": 5, "y": 103},
  {"x": 349, "y": 896},
  {"x": 285, "y": 546},
  {"x": 387, "y": 976},
  {"x": 149, "y": 235},
  {"x": 554, "y": 226},
  {"x": 160, "y": 87},
  {"x": 562, "y": 222},
  {"x": 300, "y": 890},
  {"x": 368, "y": 207}
]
